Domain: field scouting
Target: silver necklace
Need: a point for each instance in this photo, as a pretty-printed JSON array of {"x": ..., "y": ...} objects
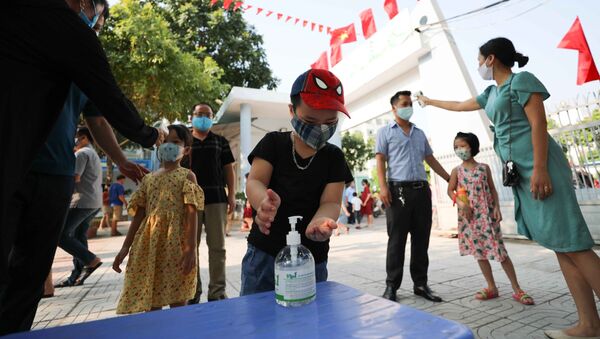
[{"x": 302, "y": 168}]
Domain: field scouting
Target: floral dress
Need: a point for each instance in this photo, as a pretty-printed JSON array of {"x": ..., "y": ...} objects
[
  {"x": 154, "y": 276},
  {"x": 481, "y": 236}
]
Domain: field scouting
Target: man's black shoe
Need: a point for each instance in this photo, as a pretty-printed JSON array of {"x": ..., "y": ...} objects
[
  {"x": 427, "y": 293},
  {"x": 390, "y": 293}
]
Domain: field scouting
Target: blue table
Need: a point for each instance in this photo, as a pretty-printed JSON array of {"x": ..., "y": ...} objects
[{"x": 338, "y": 312}]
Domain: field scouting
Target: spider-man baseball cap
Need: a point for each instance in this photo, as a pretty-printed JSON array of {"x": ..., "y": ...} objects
[{"x": 320, "y": 89}]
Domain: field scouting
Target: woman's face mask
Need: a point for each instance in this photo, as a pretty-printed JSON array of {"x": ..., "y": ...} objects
[
  {"x": 315, "y": 136},
  {"x": 487, "y": 73}
]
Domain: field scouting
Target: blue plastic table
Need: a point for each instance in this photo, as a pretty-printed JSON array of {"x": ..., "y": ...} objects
[{"x": 338, "y": 312}]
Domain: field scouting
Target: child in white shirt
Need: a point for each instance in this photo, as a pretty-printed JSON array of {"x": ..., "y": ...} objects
[{"x": 356, "y": 205}]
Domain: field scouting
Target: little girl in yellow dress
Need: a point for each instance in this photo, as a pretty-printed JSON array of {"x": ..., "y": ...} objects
[{"x": 161, "y": 241}]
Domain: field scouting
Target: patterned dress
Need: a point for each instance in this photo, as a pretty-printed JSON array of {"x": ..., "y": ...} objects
[
  {"x": 481, "y": 236},
  {"x": 154, "y": 276}
]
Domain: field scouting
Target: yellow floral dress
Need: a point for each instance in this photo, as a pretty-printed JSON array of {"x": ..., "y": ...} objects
[{"x": 154, "y": 276}]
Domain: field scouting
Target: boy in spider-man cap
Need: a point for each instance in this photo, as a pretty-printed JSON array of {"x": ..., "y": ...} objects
[{"x": 297, "y": 173}]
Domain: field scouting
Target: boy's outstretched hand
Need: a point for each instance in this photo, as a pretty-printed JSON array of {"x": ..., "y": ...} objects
[
  {"x": 320, "y": 229},
  {"x": 267, "y": 210}
]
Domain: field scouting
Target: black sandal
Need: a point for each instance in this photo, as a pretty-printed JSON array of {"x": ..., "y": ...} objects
[
  {"x": 87, "y": 271},
  {"x": 65, "y": 283}
]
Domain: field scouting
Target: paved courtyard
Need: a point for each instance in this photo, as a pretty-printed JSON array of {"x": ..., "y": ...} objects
[{"x": 358, "y": 260}]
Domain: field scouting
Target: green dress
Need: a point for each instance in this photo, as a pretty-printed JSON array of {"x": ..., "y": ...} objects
[{"x": 556, "y": 222}]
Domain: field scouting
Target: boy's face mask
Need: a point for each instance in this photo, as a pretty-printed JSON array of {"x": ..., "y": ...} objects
[{"x": 315, "y": 136}]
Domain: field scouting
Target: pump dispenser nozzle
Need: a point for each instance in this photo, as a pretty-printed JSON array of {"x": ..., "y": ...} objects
[
  {"x": 293, "y": 221},
  {"x": 293, "y": 238}
]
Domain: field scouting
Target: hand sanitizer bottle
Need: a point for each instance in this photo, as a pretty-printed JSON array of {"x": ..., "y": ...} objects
[{"x": 294, "y": 271}]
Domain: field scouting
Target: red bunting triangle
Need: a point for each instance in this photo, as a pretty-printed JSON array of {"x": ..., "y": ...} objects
[
  {"x": 304, "y": 23},
  {"x": 312, "y": 26},
  {"x": 320, "y": 28},
  {"x": 288, "y": 18},
  {"x": 279, "y": 16},
  {"x": 258, "y": 10},
  {"x": 269, "y": 13},
  {"x": 237, "y": 5},
  {"x": 227, "y": 4},
  {"x": 296, "y": 21}
]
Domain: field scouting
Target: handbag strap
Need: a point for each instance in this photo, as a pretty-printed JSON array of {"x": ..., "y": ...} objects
[{"x": 510, "y": 118}]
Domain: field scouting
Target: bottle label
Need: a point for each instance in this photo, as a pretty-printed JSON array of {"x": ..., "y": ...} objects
[{"x": 295, "y": 284}]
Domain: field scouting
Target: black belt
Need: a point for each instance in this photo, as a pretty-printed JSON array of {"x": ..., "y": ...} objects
[{"x": 416, "y": 185}]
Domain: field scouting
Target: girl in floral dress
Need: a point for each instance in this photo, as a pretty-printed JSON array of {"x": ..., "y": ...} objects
[
  {"x": 161, "y": 242},
  {"x": 479, "y": 232}
]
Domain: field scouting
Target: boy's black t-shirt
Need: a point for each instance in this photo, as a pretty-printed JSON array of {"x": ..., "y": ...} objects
[{"x": 300, "y": 190}]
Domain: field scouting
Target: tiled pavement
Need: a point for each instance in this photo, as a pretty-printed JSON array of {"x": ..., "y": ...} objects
[{"x": 358, "y": 260}]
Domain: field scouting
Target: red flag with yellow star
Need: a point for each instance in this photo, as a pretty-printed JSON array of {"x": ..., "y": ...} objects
[{"x": 343, "y": 35}]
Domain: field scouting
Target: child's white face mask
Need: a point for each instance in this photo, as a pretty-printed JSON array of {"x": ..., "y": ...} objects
[
  {"x": 170, "y": 152},
  {"x": 463, "y": 153}
]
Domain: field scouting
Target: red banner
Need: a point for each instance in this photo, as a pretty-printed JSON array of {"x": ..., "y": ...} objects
[
  {"x": 575, "y": 39},
  {"x": 391, "y": 8},
  {"x": 336, "y": 54},
  {"x": 321, "y": 63},
  {"x": 368, "y": 23}
]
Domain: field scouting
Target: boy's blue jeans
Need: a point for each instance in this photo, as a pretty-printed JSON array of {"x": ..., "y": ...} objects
[{"x": 258, "y": 272}]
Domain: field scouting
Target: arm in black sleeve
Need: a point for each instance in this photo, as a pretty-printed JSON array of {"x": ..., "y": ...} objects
[{"x": 78, "y": 51}]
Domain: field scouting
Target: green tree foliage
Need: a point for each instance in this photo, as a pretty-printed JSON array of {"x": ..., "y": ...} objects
[
  {"x": 356, "y": 150},
  {"x": 159, "y": 77},
  {"x": 586, "y": 139},
  {"x": 224, "y": 35}
]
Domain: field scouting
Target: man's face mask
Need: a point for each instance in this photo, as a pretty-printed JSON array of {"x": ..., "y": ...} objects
[
  {"x": 202, "y": 124},
  {"x": 404, "y": 113},
  {"x": 315, "y": 136}
]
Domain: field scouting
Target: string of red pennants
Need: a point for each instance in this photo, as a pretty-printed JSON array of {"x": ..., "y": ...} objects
[
  {"x": 239, "y": 5},
  {"x": 339, "y": 36},
  {"x": 347, "y": 34}
]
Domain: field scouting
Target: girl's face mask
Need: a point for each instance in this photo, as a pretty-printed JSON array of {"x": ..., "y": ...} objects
[
  {"x": 463, "y": 153},
  {"x": 170, "y": 152}
]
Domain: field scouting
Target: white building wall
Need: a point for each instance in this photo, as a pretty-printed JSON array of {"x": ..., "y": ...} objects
[{"x": 399, "y": 58}]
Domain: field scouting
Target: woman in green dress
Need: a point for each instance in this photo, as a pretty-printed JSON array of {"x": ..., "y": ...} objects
[{"x": 546, "y": 208}]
